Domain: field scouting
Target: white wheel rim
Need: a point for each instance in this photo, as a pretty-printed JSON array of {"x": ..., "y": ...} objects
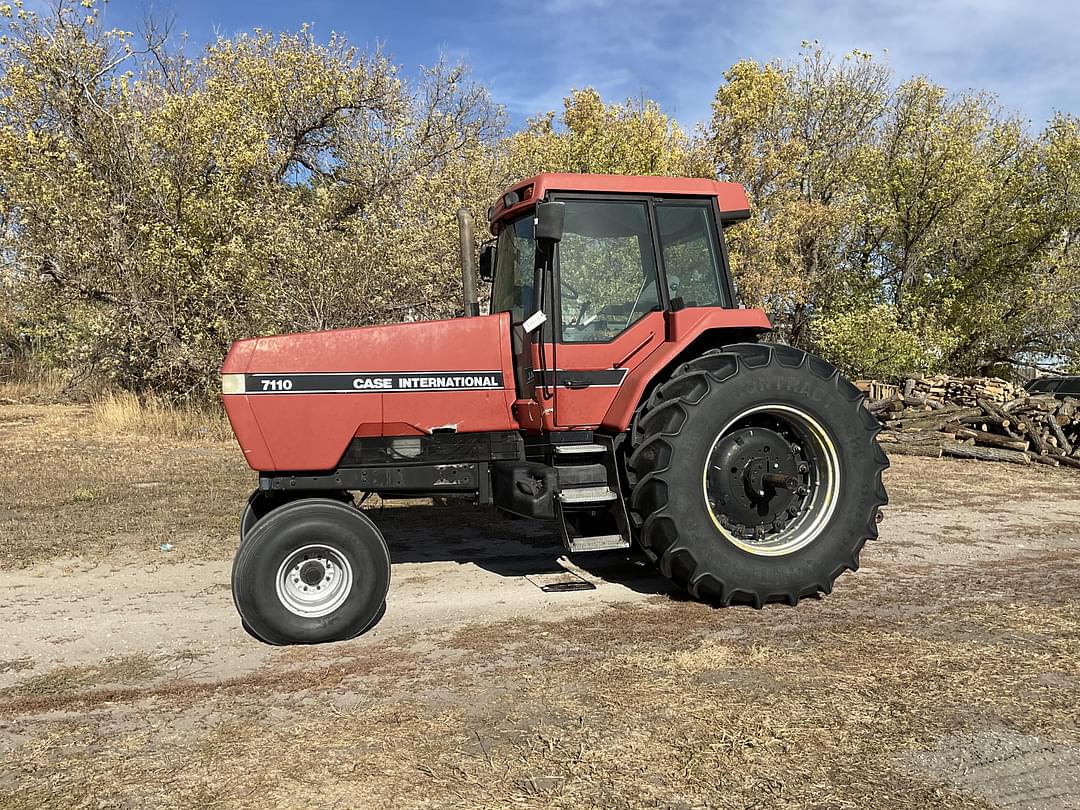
[
  {"x": 823, "y": 497},
  {"x": 314, "y": 581}
]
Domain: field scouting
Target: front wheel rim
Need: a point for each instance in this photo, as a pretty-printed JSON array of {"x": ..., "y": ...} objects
[
  {"x": 314, "y": 581},
  {"x": 794, "y": 452}
]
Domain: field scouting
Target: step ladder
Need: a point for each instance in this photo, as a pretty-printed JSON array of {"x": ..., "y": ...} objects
[{"x": 590, "y": 509}]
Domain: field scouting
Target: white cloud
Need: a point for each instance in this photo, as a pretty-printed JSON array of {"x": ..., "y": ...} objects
[{"x": 1022, "y": 51}]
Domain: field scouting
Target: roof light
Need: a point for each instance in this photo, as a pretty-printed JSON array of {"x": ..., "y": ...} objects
[{"x": 510, "y": 199}]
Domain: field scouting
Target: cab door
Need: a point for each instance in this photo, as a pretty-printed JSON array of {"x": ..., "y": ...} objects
[{"x": 610, "y": 304}]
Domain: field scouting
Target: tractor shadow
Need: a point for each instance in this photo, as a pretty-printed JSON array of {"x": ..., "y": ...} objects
[{"x": 504, "y": 546}]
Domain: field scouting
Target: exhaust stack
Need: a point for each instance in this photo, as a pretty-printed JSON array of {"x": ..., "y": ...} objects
[{"x": 468, "y": 266}]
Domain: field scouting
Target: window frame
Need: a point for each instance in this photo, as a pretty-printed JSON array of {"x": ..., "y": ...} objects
[
  {"x": 724, "y": 284},
  {"x": 1069, "y": 387},
  {"x": 509, "y": 224},
  {"x": 554, "y": 334},
  {"x": 661, "y": 279}
]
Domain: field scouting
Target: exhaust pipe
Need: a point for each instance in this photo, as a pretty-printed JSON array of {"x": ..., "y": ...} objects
[{"x": 468, "y": 266}]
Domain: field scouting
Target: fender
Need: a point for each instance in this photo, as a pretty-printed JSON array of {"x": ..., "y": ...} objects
[{"x": 684, "y": 327}]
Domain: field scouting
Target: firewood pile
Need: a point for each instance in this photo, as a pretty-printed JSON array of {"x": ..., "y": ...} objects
[{"x": 981, "y": 418}]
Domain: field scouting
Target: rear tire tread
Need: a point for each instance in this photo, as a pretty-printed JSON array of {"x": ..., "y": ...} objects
[{"x": 666, "y": 413}]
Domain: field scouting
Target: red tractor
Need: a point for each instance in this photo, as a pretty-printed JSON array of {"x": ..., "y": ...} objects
[{"x": 615, "y": 388}]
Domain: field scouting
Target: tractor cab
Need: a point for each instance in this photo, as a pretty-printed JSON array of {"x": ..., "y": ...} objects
[
  {"x": 594, "y": 277},
  {"x": 604, "y": 286}
]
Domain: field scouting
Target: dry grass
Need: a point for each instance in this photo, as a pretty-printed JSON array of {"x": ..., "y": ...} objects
[
  {"x": 123, "y": 413},
  {"x": 38, "y": 386},
  {"x": 15, "y": 665},
  {"x": 119, "y": 413},
  {"x": 122, "y": 670},
  {"x": 69, "y": 491}
]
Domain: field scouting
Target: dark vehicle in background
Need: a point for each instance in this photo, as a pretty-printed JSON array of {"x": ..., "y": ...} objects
[{"x": 1059, "y": 386}]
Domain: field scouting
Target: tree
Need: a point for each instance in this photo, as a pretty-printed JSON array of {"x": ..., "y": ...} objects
[
  {"x": 906, "y": 211},
  {"x": 157, "y": 206},
  {"x": 795, "y": 136},
  {"x": 594, "y": 137}
]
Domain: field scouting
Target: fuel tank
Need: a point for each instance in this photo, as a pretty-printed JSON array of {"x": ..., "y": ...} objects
[{"x": 296, "y": 401}]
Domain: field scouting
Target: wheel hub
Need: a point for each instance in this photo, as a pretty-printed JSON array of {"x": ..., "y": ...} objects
[
  {"x": 754, "y": 477},
  {"x": 771, "y": 479},
  {"x": 312, "y": 572},
  {"x": 314, "y": 581}
]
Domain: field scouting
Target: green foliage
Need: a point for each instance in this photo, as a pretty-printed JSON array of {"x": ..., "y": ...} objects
[{"x": 872, "y": 342}]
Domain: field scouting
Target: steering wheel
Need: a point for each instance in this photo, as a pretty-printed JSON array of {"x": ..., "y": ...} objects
[
  {"x": 584, "y": 306},
  {"x": 580, "y": 321}
]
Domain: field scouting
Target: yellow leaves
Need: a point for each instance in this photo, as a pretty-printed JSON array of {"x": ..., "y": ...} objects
[
  {"x": 591, "y": 136},
  {"x": 271, "y": 183}
]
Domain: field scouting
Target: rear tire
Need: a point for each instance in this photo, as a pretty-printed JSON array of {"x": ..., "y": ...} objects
[
  {"x": 312, "y": 571},
  {"x": 703, "y": 443}
]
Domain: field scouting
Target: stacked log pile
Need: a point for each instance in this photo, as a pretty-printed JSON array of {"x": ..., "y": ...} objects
[{"x": 988, "y": 419}]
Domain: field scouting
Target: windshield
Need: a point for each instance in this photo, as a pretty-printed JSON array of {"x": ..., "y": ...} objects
[{"x": 515, "y": 261}]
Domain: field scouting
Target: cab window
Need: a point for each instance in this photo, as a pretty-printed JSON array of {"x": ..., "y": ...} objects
[
  {"x": 691, "y": 247},
  {"x": 607, "y": 269},
  {"x": 515, "y": 260}
]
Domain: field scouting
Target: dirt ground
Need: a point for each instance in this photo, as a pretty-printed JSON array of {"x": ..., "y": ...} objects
[{"x": 945, "y": 673}]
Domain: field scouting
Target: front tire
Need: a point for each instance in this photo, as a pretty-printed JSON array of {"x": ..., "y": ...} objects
[
  {"x": 311, "y": 571},
  {"x": 260, "y": 504},
  {"x": 757, "y": 475}
]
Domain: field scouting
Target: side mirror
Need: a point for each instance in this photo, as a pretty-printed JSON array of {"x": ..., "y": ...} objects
[
  {"x": 548, "y": 223},
  {"x": 487, "y": 262}
]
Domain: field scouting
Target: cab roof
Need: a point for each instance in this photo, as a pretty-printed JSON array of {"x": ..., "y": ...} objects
[{"x": 731, "y": 197}]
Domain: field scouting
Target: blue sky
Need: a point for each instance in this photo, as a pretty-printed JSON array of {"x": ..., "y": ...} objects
[{"x": 530, "y": 53}]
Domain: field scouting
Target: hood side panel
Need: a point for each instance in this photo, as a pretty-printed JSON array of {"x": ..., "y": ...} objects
[{"x": 310, "y": 394}]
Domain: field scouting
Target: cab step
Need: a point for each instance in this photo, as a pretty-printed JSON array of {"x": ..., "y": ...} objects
[
  {"x": 574, "y": 449},
  {"x": 585, "y": 495},
  {"x": 599, "y": 542}
]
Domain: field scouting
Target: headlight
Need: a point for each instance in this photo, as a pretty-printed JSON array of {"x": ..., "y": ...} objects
[{"x": 232, "y": 384}]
